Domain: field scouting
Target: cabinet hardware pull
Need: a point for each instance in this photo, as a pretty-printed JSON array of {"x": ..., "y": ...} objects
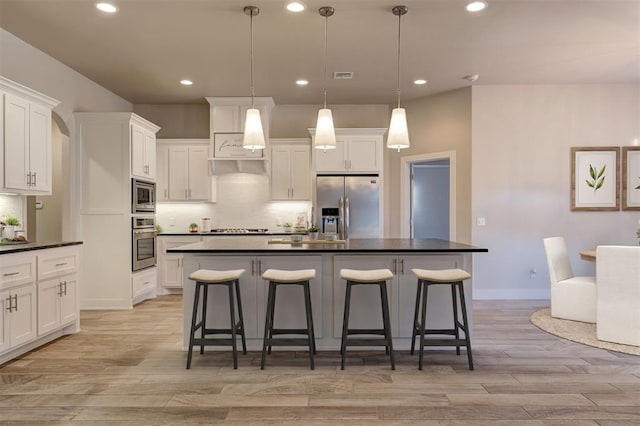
[
  {"x": 185, "y": 193},
  {"x": 165, "y": 193},
  {"x": 402, "y": 266},
  {"x": 34, "y": 178},
  {"x": 8, "y": 274},
  {"x": 146, "y": 282},
  {"x": 59, "y": 289},
  {"x": 61, "y": 264},
  {"x": 291, "y": 192},
  {"x": 15, "y": 298},
  {"x": 259, "y": 267},
  {"x": 189, "y": 193},
  {"x": 29, "y": 179},
  {"x": 395, "y": 266},
  {"x": 253, "y": 270},
  {"x": 65, "y": 287},
  {"x": 8, "y": 300}
]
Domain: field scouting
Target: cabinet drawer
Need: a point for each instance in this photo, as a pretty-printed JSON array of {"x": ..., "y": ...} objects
[
  {"x": 17, "y": 269},
  {"x": 56, "y": 262},
  {"x": 143, "y": 282}
]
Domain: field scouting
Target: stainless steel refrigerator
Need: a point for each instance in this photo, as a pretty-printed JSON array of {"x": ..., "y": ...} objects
[{"x": 357, "y": 199}]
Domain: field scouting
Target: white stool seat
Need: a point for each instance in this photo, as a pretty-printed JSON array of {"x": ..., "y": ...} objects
[
  {"x": 282, "y": 276},
  {"x": 442, "y": 275},
  {"x": 210, "y": 276},
  {"x": 367, "y": 276}
]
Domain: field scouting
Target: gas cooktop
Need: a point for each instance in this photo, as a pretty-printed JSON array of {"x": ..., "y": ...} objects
[{"x": 239, "y": 231}]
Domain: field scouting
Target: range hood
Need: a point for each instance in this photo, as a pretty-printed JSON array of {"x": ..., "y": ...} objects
[{"x": 219, "y": 166}]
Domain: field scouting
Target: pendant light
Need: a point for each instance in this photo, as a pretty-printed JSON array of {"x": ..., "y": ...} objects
[
  {"x": 398, "y": 137},
  {"x": 253, "y": 134},
  {"x": 325, "y": 133}
]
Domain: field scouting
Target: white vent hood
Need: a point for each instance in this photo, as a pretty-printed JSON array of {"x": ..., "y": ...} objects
[{"x": 219, "y": 166}]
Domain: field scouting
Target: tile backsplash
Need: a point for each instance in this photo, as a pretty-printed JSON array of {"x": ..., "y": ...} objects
[
  {"x": 243, "y": 202},
  {"x": 12, "y": 205}
]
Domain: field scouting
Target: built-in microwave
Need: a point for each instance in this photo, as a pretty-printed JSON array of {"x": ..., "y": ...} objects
[{"x": 143, "y": 196}]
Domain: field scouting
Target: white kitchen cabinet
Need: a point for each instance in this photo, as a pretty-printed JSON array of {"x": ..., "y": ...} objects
[
  {"x": 162, "y": 173},
  {"x": 170, "y": 265},
  {"x": 357, "y": 151},
  {"x": 227, "y": 114},
  {"x": 143, "y": 152},
  {"x": 143, "y": 284},
  {"x": 290, "y": 169},
  {"x": 19, "y": 315},
  {"x": 26, "y": 137},
  {"x": 189, "y": 179}
]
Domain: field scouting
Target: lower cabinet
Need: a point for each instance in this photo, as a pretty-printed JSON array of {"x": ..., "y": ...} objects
[
  {"x": 143, "y": 283},
  {"x": 57, "y": 303},
  {"x": 290, "y": 308},
  {"x": 18, "y": 323},
  {"x": 170, "y": 265}
]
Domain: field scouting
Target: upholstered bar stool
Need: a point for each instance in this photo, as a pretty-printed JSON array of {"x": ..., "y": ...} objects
[
  {"x": 277, "y": 277},
  {"x": 453, "y": 278},
  {"x": 205, "y": 278},
  {"x": 377, "y": 277}
]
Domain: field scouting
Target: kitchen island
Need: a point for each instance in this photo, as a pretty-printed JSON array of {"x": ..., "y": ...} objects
[{"x": 256, "y": 255}]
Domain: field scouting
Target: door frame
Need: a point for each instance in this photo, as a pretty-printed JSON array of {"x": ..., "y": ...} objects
[{"x": 405, "y": 189}]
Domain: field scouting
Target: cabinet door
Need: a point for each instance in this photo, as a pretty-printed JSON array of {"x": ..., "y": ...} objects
[
  {"x": 16, "y": 140},
  {"x": 172, "y": 271},
  {"x": 366, "y": 306},
  {"x": 4, "y": 321},
  {"x": 178, "y": 172},
  {"x": 331, "y": 160},
  {"x": 280, "y": 173},
  {"x": 363, "y": 154},
  {"x": 69, "y": 300},
  {"x": 22, "y": 321},
  {"x": 226, "y": 118},
  {"x": 40, "y": 148},
  {"x": 218, "y": 300},
  {"x": 290, "y": 307},
  {"x": 198, "y": 172},
  {"x": 300, "y": 173},
  {"x": 162, "y": 173},
  {"x": 49, "y": 294},
  {"x": 138, "y": 165},
  {"x": 150, "y": 154}
]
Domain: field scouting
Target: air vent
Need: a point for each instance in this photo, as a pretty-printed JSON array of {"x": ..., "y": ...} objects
[{"x": 342, "y": 75}]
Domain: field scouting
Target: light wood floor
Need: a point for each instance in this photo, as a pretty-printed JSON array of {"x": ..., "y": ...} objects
[{"x": 126, "y": 367}]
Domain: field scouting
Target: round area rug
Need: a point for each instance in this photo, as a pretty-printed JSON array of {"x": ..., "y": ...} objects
[{"x": 576, "y": 331}]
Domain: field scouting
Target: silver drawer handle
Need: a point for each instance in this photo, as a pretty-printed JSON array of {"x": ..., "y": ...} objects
[
  {"x": 61, "y": 264},
  {"x": 8, "y": 274}
]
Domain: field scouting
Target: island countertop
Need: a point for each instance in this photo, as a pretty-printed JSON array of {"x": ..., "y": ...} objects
[
  {"x": 39, "y": 245},
  {"x": 387, "y": 245}
]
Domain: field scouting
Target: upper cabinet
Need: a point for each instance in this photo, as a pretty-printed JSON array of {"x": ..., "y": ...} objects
[
  {"x": 290, "y": 169},
  {"x": 143, "y": 152},
  {"x": 183, "y": 170},
  {"x": 357, "y": 151},
  {"x": 227, "y": 114},
  {"x": 25, "y": 132}
]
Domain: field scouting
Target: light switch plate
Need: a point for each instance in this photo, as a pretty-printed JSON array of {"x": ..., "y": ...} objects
[{"x": 480, "y": 221}]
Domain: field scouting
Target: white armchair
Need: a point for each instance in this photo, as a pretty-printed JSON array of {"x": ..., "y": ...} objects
[
  {"x": 618, "y": 275},
  {"x": 572, "y": 298}
]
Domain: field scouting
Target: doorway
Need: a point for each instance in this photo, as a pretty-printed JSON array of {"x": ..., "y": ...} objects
[{"x": 428, "y": 196}]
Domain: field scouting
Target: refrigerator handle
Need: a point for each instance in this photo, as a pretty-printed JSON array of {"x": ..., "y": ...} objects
[
  {"x": 341, "y": 218},
  {"x": 346, "y": 218}
]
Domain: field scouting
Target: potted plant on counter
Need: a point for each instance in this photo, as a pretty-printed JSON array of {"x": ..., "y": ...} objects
[
  {"x": 193, "y": 227},
  {"x": 287, "y": 226},
  {"x": 10, "y": 223},
  {"x": 313, "y": 230}
]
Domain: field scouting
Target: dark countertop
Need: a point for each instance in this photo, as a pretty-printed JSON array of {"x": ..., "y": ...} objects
[
  {"x": 15, "y": 248},
  {"x": 226, "y": 234},
  {"x": 382, "y": 245}
]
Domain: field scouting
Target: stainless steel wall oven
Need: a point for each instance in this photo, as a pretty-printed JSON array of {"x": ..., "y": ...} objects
[{"x": 144, "y": 243}]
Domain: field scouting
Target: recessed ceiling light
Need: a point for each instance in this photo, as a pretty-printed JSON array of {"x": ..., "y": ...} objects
[
  {"x": 471, "y": 77},
  {"x": 476, "y": 6},
  {"x": 107, "y": 7},
  {"x": 302, "y": 82},
  {"x": 295, "y": 6},
  {"x": 186, "y": 82},
  {"x": 420, "y": 82}
]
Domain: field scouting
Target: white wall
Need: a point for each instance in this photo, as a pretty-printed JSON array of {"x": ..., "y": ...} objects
[{"x": 521, "y": 179}]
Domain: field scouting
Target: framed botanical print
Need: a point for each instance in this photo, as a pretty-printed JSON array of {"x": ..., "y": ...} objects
[
  {"x": 594, "y": 178},
  {"x": 631, "y": 178}
]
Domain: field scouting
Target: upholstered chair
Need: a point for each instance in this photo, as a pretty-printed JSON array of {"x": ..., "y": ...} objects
[
  {"x": 572, "y": 298},
  {"x": 618, "y": 275}
]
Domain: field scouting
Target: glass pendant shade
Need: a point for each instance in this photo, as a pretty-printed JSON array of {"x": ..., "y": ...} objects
[
  {"x": 325, "y": 133},
  {"x": 253, "y": 133},
  {"x": 398, "y": 137}
]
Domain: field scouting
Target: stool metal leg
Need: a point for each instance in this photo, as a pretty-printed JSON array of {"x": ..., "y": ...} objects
[
  {"x": 425, "y": 292},
  {"x": 234, "y": 344},
  {"x": 194, "y": 317},
  {"x": 454, "y": 300},
  {"x": 386, "y": 321},
  {"x": 241, "y": 317},
  {"x": 273, "y": 311},
  {"x": 414, "y": 330},
  {"x": 313, "y": 331},
  {"x": 345, "y": 324},
  {"x": 466, "y": 324},
  {"x": 267, "y": 323},
  {"x": 203, "y": 330},
  {"x": 310, "y": 336}
]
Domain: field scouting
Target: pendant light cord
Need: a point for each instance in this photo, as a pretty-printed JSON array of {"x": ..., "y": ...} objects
[
  {"x": 398, "y": 86},
  {"x": 324, "y": 87},
  {"x": 251, "y": 31}
]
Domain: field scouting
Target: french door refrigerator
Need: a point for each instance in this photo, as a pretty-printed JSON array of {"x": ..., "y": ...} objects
[{"x": 357, "y": 199}]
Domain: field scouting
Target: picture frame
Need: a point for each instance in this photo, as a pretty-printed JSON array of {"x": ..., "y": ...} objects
[
  {"x": 631, "y": 178},
  {"x": 229, "y": 145},
  {"x": 595, "y": 183}
]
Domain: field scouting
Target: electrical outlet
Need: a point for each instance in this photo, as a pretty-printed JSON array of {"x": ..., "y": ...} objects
[
  {"x": 532, "y": 272},
  {"x": 172, "y": 221},
  {"x": 480, "y": 221}
]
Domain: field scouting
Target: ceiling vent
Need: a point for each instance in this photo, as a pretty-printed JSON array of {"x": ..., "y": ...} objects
[{"x": 342, "y": 75}]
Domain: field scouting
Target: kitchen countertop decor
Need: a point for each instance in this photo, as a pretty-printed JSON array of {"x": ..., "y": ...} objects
[{"x": 15, "y": 248}]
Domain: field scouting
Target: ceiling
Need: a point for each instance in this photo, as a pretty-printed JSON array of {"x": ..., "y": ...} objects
[{"x": 143, "y": 51}]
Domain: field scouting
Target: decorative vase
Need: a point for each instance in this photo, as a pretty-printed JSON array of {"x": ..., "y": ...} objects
[
  {"x": 313, "y": 235},
  {"x": 286, "y": 229}
]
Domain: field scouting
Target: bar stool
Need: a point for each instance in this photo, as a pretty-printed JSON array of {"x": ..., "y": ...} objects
[
  {"x": 276, "y": 278},
  {"x": 453, "y": 278},
  {"x": 204, "y": 278},
  {"x": 377, "y": 277}
]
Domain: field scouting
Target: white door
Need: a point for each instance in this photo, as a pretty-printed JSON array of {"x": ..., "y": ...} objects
[
  {"x": 22, "y": 324},
  {"x": 137, "y": 151},
  {"x": 331, "y": 160},
  {"x": 363, "y": 154},
  {"x": 150, "y": 154},
  {"x": 430, "y": 199},
  {"x": 48, "y": 305},
  {"x": 40, "y": 148},
  {"x": 162, "y": 173}
]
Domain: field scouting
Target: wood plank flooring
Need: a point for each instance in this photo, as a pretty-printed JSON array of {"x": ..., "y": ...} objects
[{"x": 127, "y": 367}]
